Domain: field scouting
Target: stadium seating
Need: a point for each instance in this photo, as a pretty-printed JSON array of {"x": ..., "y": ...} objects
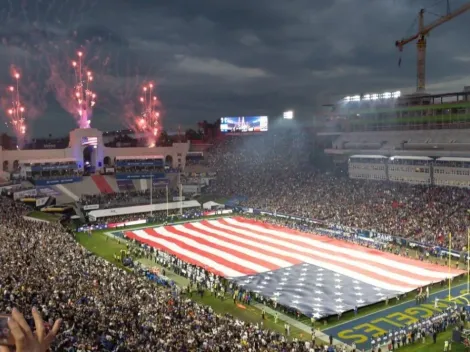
[{"x": 395, "y": 140}]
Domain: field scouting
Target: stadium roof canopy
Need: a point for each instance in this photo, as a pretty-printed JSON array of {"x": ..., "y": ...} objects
[
  {"x": 140, "y": 157},
  {"x": 369, "y": 156},
  {"x": 450, "y": 158},
  {"x": 51, "y": 160},
  {"x": 403, "y": 157}
]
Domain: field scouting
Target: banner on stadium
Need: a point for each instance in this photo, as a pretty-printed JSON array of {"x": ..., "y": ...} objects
[
  {"x": 191, "y": 188},
  {"x": 161, "y": 182},
  {"x": 91, "y": 207},
  {"x": 25, "y": 194},
  {"x": 42, "y": 201},
  {"x": 138, "y": 176},
  {"x": 92, "y": 227},
  {"x": 59, "y": 181},
  {"x": 177, "y": 199},
  {"x": 127, "y": 223}
]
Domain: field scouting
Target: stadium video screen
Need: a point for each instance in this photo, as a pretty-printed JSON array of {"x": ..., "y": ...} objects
[
  {"x": 244, "y": 124},
  {"x": 93, "y": 141}
]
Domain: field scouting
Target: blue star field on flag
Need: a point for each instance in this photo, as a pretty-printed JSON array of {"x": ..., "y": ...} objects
[{"x": 314, "y": 291}]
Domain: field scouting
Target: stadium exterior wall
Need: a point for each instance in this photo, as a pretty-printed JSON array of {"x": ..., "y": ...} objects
[{"x": 177, "y": 152}]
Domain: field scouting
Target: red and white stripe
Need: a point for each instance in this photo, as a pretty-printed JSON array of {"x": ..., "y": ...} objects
[{"x": 234, "y": 247}]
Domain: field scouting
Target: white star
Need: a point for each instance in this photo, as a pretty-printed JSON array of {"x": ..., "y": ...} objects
[
  {"x": 298, "y": 289},
  {"x": 318, "y": 299},
  {"x": 264, "y": 282},
  {"x": 320, "y": 269},
  {"x": 377, "y": 289},
  {"x": 303, "y": 274},
  {"x": 284, "y": 279},
  {"x": 320, "y": 274},
  {"x": 283, "y": 283},
  {"x": 339, "y": 308},
  {"x": 295, "y": 302},
  {"x": 286, "y": 274},
  {"x": 261, "y": 287},
  {"x": 317, "y": 305},
  {"x": 269, "y": 273},
  {"x": 277, "y": 294},
  {"x": 267, "y": 277},
  {"x": 300, "y": 284},
  {"x": 305, "y": 264},
  {"x": 304, "y": 269},
  {"x": 338, "y": 287},
  {"x": 317, "y": 316},
  {"x": 360, "y": 301},
  {"x": 301, "y": 279},
  {"x": 355, "y": 282},
  {"x": 338, "y": 300},
  {"x": 338, "y": 294},
  {"x": 357, "y": 288},
  {"x": 358, "y": 294},
  {"x": 337, "y": 280},
  {"x": 318, "y": 292},
  {"x": 336, "y": 274},
  {"x": 319, "y": 284},
  {"x": 247, "y": 281},
  {"x": 319, "y": 279},
  {"x": 288, "y": 269},
  {"x": 298, "y": 297}
]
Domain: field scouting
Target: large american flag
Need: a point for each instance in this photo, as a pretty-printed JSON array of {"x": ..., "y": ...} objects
[{"x": 314, "y": 274}]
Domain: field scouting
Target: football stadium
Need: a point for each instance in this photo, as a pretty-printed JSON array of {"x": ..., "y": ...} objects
[
  {"x": 303, "y": 255},
  {"x": 344, "y": 231}
]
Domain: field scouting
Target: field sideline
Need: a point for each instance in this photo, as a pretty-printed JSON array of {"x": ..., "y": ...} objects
[{"x": 370, "y": 321}]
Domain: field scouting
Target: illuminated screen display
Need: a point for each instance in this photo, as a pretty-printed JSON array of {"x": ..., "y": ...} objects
[
  {"x": 244, "y": 124},
  {"x": 93, "y": 141}
]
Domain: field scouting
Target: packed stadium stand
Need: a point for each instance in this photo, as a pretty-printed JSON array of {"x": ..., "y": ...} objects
[{"x": 390, "y": 193}]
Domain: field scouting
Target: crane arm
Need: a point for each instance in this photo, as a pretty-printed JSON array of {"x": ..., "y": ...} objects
[{"x": 426, "y": 29}]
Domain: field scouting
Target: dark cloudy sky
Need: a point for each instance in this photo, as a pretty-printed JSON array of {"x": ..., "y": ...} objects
[{"x": 212, "y": 58}]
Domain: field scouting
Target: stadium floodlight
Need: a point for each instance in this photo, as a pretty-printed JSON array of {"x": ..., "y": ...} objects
[
  {"x": 288, "y": 115},
  {"x": 396, "y": 94},
  {"x": 374, "y": 96},
  {"x": 356, "y": 98},
  {"x": 366, "y": 97},
  {"x": 386, "y": 95},
  {"x": 347, "y": 98}
]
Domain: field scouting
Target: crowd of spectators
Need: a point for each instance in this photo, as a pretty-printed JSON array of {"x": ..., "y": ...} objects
[
  {"x": 104, "y": 307},
  {"x": 278, "y": 172},
  {"x": 128, "y": 198}
]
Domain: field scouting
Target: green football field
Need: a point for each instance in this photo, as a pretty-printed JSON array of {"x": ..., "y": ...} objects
[{"x": 106, "y": 246}]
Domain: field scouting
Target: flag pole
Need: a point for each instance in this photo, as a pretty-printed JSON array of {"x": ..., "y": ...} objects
[
  {"x": 151, "y": 194},
  {"x": 468, "y": 260},
  {"x": 450, "y": 262},
  {"x": 167, "y": 207}
]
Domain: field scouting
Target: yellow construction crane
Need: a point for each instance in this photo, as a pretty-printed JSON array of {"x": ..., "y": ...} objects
[{"x": 423, "y": 31}]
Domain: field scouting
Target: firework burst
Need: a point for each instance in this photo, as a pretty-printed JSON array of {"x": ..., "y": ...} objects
[
  {"x": 84, "y": 97},
  {"x": 148, "y": 122},
  {"x": 15, "y": 109}
]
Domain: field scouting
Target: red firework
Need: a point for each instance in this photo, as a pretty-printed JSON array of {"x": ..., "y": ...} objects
[
  {"x": 15, "y": 109},
  {"x": 83, "y": 95},
  {"x": 148, "y": 122}
]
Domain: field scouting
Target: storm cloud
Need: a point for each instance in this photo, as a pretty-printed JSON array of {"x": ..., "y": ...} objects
[{"x": 212, "y": 58}]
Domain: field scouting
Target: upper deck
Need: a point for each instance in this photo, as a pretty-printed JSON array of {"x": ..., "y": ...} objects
[{"x": 374, "y": 112}]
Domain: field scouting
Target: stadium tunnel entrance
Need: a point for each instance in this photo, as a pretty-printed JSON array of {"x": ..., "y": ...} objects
[{"x": 89, "y": 160}]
